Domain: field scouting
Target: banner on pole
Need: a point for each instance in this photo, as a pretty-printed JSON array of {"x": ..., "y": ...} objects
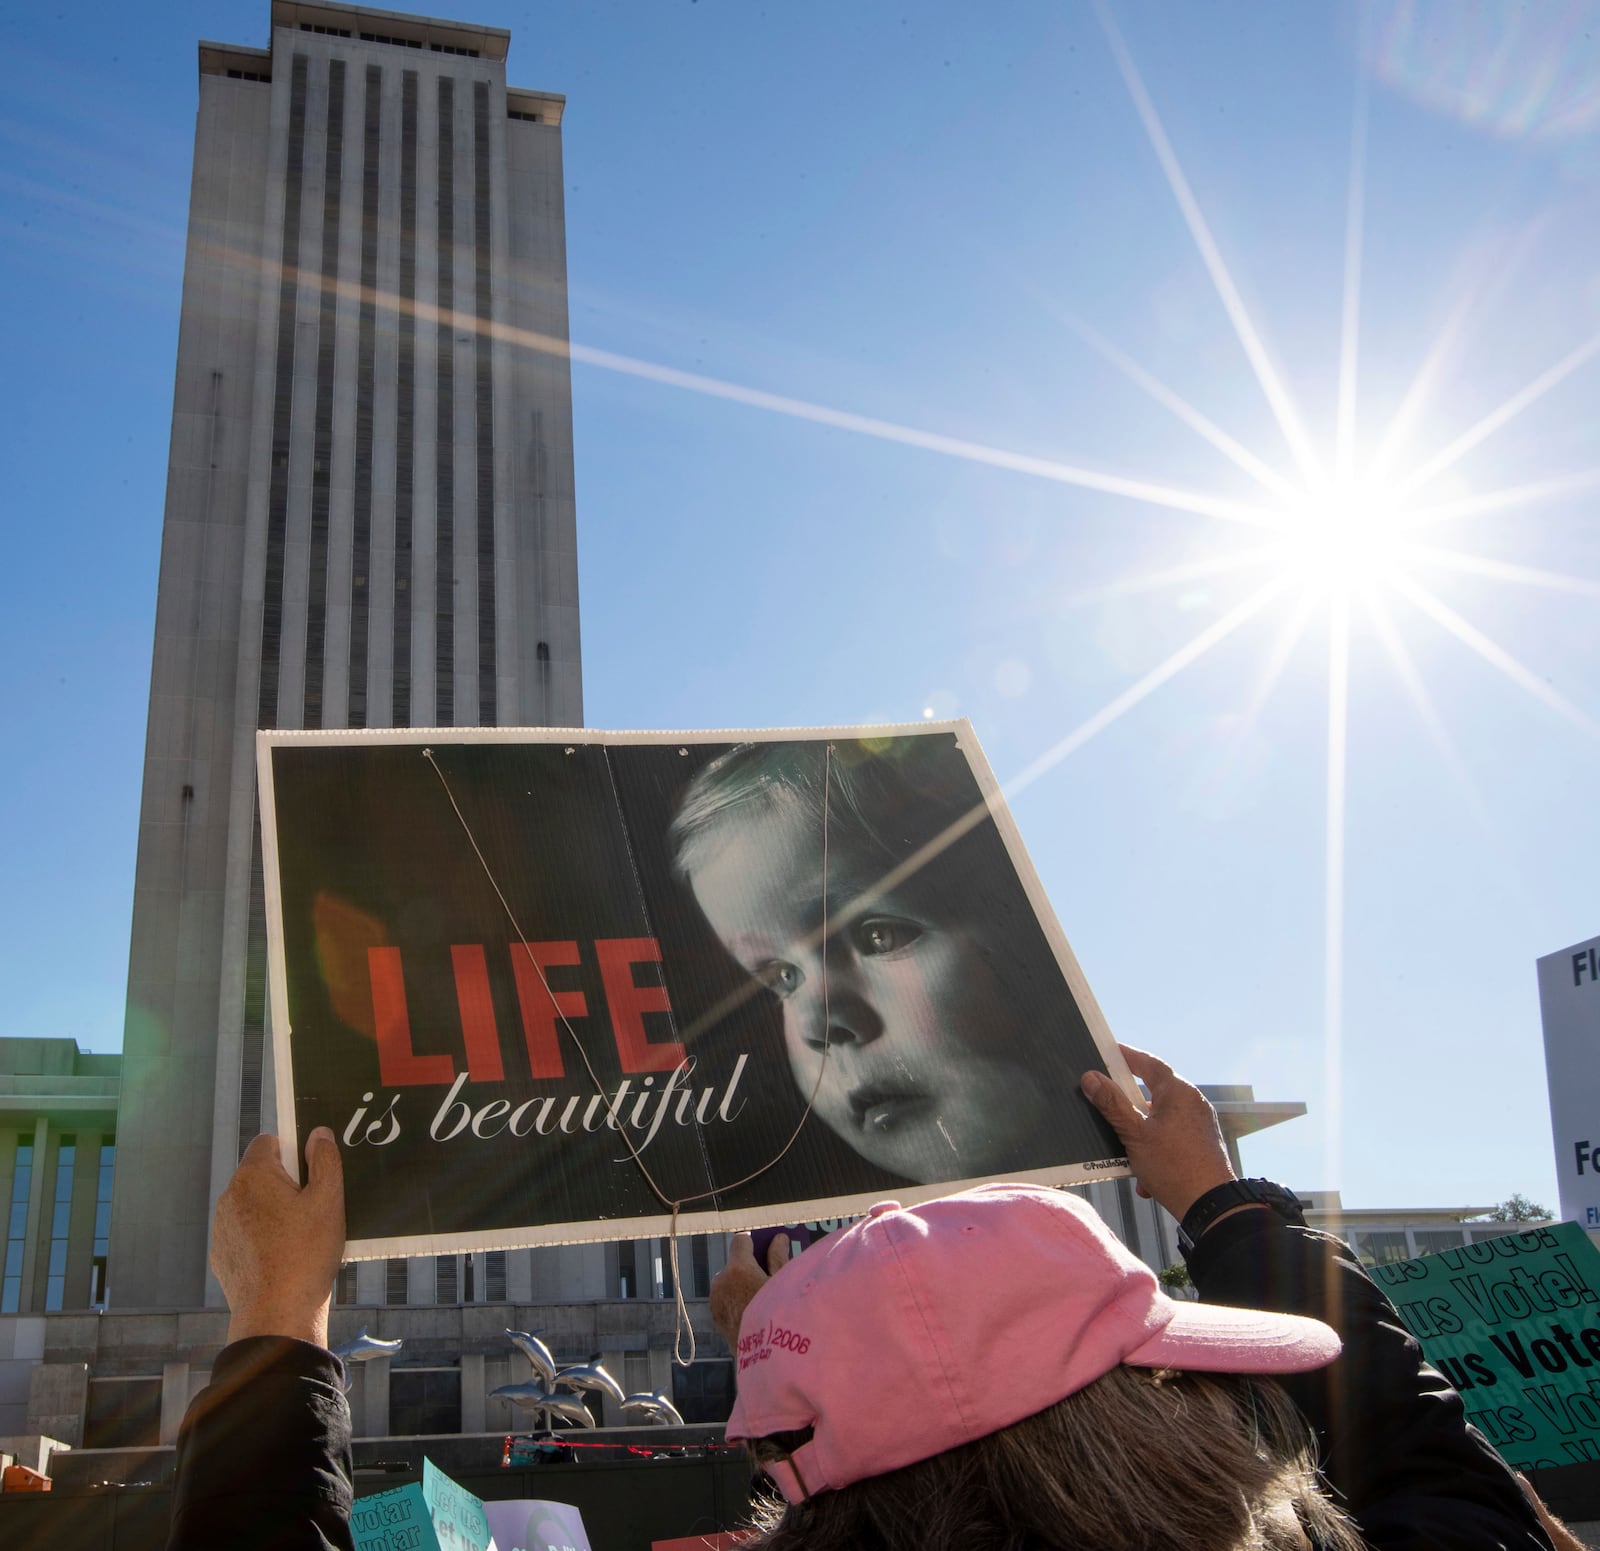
[{"x": 544, "y": 983}]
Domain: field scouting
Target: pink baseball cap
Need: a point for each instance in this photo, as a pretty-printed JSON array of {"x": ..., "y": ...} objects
[{"x": 921, "y": 1328}]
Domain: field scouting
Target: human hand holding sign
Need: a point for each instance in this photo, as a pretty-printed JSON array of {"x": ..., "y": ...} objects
[
  {"x": 276, "y": 1246},
  {"x": 740, "y": 1280},
  {"x": 1175, "y": 1147}
]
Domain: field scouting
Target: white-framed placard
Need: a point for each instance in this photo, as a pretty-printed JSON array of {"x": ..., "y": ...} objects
[
  {"x": 1569, "y": 1007},
  {"x": 517, "y": 969}
]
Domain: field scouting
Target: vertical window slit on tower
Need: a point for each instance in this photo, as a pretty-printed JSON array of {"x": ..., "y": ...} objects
[
  {"x": 483, "y": 367},
  {"x": 445, "y": 461},
  {"x": 405, "y": 401},
  {"x": 282, "y": 402},
  {"x": 255, "y": 977},
  {"x": 322, "y": 430},
  {"x": 366, "y": 375},
  {"x": 255, "y": 997}
]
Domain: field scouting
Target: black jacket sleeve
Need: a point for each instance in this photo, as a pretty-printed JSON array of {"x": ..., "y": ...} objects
[
  {"x": 264, "y": 1453},
  {"x": 1396, "y": 1446}
]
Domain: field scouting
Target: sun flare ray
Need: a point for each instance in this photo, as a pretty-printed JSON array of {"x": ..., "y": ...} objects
[
  {"x": 1551, "y": 377},
  {"x": 1277, "y": 395},
  {"x": 1170, "y": 576},
  {"x": 1350, "y": 311},
  {"x": 1169, "y": 667},
  {"x": 1495, "y": 655},
  {"x": 1504, "y": 571},
  {"x": 1410, "y": 677},
  {"x": 1333, "y": 889},
  {"x": 1148, "y": 492},
  {"x": 1510, "y": 497},
  {"x": 1238, "y": 454},
  {"x": 1277, "y": 659},
  {"x": 1397, "y": 433}
]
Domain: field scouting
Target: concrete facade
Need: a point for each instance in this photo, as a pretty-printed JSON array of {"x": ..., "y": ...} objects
[{"x": 369, "y": 518}]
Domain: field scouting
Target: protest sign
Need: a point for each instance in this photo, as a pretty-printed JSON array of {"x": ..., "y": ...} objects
[
  {"x": 1569, "y": 1004},
  {"x": 529, "y": 1524},
  {"x": 543, "y": 984},
  {"x": 458, "y": 1516},
  {"x": 442, "y": 1515},
  {"x": 396, "y": 1520},
  {"x": 1514, "y": 1323}
]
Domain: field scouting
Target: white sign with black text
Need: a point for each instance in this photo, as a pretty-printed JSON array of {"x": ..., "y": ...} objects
[{"x": 1569, "y": 1004}]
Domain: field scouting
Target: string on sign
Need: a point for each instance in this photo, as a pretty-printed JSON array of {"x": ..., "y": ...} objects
[{"x": 674, "y": 1204}]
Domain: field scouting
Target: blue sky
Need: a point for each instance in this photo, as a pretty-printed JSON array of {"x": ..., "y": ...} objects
[{"x": 954, "y": 220}]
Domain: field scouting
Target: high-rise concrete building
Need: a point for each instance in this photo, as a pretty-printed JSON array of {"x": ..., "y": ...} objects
[{"x": 369, "y": 518}]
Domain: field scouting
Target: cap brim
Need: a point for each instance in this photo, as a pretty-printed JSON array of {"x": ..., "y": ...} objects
[{"x": 1211, "y": 1338}]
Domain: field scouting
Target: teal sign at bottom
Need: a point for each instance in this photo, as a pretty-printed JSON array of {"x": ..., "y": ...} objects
[
  {"x": 397, "y": 1520},
  {"x": 1514, "y": 1324}
]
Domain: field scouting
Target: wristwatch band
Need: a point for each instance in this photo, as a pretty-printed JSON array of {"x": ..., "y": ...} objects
[{"x": 1236, "y": 1192}]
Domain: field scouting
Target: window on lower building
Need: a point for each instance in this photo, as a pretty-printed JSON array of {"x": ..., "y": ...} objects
[
  {"x": 344, "y": 1290},
  {"x": 703, "y": 1392},
  {"x": 17, "y": 1229},
  {"x": 494, "y": 1276},
  {"x": 123, "y": 1414},
  {"x": 627, "y": 1273},
  {"x": 394, "y": 1290},
  {"x": 1381, "y": 1247},
  {"x": 445, "y": 1279},
  {"x": 102, "y": 1223},
  {"x": 55, "y": 1286},
  {"x": 424, "y": 1400},
  {"x": 1431, "y": 1240}
]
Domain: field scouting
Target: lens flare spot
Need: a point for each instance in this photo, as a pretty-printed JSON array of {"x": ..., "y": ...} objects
[
  {"x": 1013, "y": 678},
  {"x": 343, "y": 934}
]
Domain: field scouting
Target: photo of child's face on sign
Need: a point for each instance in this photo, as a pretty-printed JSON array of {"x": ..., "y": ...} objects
[
  {"x": 901, "y": 1022},
  {"x": 546, "y": 985}
]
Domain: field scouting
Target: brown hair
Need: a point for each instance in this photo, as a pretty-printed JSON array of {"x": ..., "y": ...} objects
[{"x": 1136, "y": 1461}]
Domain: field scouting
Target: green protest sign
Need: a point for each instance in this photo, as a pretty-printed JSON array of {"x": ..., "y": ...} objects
[
  {"x": 1514, "y": 1324},
  {"x": 396, "y": 1520},
  {"x": 458, "y": 1517}
]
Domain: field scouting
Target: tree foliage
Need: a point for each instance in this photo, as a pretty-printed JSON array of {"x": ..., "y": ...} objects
[{"x": 1518, "y": 1208}]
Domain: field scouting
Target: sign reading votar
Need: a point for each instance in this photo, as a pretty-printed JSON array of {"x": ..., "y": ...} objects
[{"x": 1569, "y": 1004}]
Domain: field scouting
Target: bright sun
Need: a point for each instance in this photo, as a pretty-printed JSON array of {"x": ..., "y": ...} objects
[{"x": 1345, "y": 535}]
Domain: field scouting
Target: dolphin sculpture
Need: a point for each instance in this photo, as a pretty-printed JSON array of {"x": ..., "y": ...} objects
[
  {"x": 528, "y": 1343},
  {"x": 590, "y": 1375},
  {"x": 362, "y": 1348},
  {"x": 654, "y": 1407},
  {"x": 533, "y": 1396}
]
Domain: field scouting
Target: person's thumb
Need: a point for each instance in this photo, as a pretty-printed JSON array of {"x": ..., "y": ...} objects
[
  {"x": 741, "y": 1250},
  {"x": 263, "y": 1152},
  {"x": 324, "y": 1166},
  {"x": 1113, "y": 1104}
]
